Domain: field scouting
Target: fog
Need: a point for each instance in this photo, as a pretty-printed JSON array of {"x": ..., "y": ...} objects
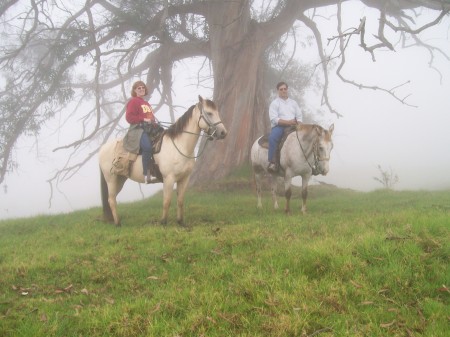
[{"x": 375, "y": 129}]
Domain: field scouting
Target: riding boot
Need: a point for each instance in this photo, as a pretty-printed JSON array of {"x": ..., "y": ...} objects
[
  {"x": 272, "y": 168},
  {"x": 149, "y": 179}
]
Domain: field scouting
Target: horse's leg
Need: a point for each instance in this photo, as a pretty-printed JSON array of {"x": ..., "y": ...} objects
[
  {"x": 273, "y": 190},
  {"x": 305, "y": 181},
  {"x": 115, "y": 185},
  {"x": 167, "y": 198},
  {"x": 257, "y": 179},
  {"x": 119, "y": 182},
  {"x": 287, "y": 193},
  {"x": 107, "y": 212},
  {"x": 181, "y": 189},
  {"x": 111, "y": 185}
]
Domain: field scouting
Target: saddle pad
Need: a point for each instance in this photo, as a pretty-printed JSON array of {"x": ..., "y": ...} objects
[
  {"x": 122, "y": 160},
  {"x": 264, "y": 141}
]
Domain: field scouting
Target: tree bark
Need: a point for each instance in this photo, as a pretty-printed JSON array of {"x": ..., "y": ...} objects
[{"x": 237, "y": 54}]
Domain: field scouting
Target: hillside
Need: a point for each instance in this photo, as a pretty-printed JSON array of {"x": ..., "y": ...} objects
[{"x": 358, "y": 264}]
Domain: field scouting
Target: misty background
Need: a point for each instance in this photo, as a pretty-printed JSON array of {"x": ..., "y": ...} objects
[{"x": 375, "y": 130}]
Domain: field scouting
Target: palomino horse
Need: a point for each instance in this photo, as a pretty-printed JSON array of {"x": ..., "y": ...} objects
[
  {"x": 176, "y": 159},
  {"x": 305, "y": 152}
]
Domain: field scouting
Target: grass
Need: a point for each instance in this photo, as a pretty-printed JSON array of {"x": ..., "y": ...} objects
[{"x": 358, "y": 264}]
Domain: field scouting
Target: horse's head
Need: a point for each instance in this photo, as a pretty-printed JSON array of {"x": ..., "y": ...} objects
[
  {"x": 322, "y": 149},
  {"x": 209, "y": 120}
]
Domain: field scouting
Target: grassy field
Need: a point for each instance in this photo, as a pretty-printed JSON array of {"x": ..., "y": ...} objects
[{"x": 358, "y": 264}]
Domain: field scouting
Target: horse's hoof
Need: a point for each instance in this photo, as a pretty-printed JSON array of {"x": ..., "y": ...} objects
[
  {"x": 187, "y": 227},
  {"x": 163, "y": 222}
]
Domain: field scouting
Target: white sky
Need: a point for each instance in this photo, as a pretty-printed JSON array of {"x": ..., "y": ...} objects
[
  {"x": 375, "y": 130},
  {"x": 378, "y": 130}
]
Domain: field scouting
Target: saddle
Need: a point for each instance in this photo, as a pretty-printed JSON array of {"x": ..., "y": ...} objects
[
  {"x": 123, "y": 160},
  {"x": 155, "y": 133},
  {"x": 264, "y": 142}
]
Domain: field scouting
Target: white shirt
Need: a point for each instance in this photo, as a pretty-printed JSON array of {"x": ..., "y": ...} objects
[{"x": 287, "y": 109}]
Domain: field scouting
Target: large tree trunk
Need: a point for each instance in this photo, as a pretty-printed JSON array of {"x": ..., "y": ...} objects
[
  {"x": 242, "y": 107},
  {"x": 237, "y": 53}
]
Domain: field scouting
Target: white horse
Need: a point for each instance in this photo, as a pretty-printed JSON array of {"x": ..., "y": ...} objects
[
  {"x": 176, "y": 159},
  {"x": 305, "y": 152}
]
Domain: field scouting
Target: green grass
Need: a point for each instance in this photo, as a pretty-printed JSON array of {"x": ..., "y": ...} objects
[{"x": 358, "y": 264}]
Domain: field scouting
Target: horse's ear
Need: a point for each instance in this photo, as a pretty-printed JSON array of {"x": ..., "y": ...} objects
[
  {"x": 318, "y": 129},
  {"x": 331, "y": 129},
  {"x": 200, "y": 99}
]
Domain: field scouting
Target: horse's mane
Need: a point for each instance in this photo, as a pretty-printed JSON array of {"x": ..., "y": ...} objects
[
  {"x": 309, "y": 128},
  {"x": 178, "y": 127}
]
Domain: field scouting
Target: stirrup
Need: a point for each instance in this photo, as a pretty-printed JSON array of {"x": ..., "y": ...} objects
[
  {"x": 150, "y": 179},
  {"x": 272, "y": 168}
]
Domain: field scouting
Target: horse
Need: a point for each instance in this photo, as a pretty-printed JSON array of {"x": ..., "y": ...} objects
[
  {"x": 305, "y": 152},
  {"x": 175, "y": 159}
]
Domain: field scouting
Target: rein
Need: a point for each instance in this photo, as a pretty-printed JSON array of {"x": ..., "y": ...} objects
[
  {"x": 210, "y": 124},
  {"x": 315, "y": 170},
  {"x": 209, "y": 135},
  {"x": 186, "y": 156}
]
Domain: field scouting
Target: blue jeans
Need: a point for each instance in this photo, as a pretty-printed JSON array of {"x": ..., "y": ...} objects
[
  {"x": 274, "y": 140},
  {"x": 146, "y": 149}
]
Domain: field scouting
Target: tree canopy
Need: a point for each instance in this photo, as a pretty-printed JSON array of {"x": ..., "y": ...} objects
[{"x": 84, "y": 55}]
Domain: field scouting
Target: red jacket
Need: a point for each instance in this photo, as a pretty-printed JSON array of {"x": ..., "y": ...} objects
[{"x": 137, "y": 110}]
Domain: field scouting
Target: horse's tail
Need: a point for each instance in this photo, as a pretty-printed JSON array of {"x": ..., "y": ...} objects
[{"x": 107, "y": 212}]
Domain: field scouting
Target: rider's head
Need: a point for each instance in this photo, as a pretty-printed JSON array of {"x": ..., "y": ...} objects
[
  {"x": 282, "y": 88},
  {"x": 137, "y": 85}
]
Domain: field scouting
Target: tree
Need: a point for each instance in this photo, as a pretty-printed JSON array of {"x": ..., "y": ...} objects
[
  {"x": 56, "y": 54},
  {"x": 387, "y": 178}
]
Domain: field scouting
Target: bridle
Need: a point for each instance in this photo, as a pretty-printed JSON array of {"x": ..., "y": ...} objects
[
  {"x": 212, "y": 127},
  {"x": 317, "y": 158}
]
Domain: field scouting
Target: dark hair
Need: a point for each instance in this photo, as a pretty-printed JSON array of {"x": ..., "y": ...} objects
[
  {"x": 279, "y": 84},
  {"x": 138, "y": 84}
]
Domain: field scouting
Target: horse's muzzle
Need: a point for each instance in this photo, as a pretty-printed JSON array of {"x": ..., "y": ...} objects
[
  {"x": 322, "y": 167},
  {"x": 323, "y": 170},
  {"x": 221, "y": 134},
  {"x": 218, "y": 133}
]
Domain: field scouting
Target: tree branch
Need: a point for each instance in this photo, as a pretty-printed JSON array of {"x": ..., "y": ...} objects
[
  {"x": 324, "y": 61},
  {"x": 344, "y": 39}
]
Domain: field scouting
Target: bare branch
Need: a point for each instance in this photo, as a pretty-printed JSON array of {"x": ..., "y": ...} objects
[
  {"x": 407, "y": 29},
  {"x": 343, "y": 47},
  {"x": 384, "y": 42},
  {"x": 318, "y": 37},
  {"x": 6, "y": 5}
]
